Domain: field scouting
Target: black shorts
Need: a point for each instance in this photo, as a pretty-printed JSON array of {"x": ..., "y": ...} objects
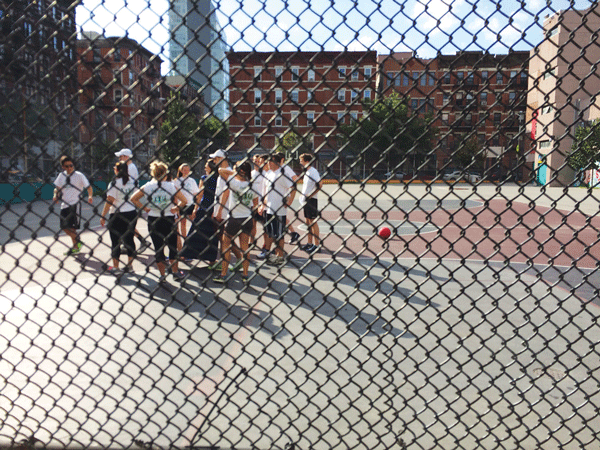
[
  {"x": 311, "y": 210},
  {"x": 275, "y": 226},
  {"x": 187, "y": 210},
  {"x": 236, "y": 225},
  {"x": 258, "y": 217},
  {"x": 69, "y": 217}
]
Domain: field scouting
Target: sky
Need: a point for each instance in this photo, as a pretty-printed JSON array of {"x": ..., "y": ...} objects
[{"x": 423, "y": 26}]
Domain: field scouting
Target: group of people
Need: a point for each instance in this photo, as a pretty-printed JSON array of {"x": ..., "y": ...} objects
[{"x": 196, "y": 220}]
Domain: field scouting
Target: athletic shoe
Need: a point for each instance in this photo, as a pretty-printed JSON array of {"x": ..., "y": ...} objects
[
  {"x": 314, "y": 249},
  {"x": 216, "y": 266},
  {"x": 112, "y": 270},
  {"x": 144, "y": 245},
  {"x": 263, "y": 254},
  {"x": 179, "y": 276},
  {"x": 77, "y": 248},
  {"x": 236, "y": 267},
  {"x": 245, "y": 279},
  {"x": 305, "y": 247},
  {"x": 127, "y": 269},
  {"x": 276, "y": 260},
  {"x": 220, "y": 279},
  {"x": 295, "y": 238}
]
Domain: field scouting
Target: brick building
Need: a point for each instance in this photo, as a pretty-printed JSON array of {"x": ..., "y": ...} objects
[
  {"x": 309, "y": 93},
  {"x": 121, "y": 99},
  {"x": 37, "y": 83},
  {"x": 469, "y": 94}
]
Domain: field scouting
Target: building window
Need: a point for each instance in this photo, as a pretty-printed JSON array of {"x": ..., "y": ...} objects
[
  {"x": 340, "y": 117},
  {"x": 117, "y": 55},
  {"x": 512, "y": 97},
  {"x": 499, "y": 78},
  {"x": 446, "y": 98},
  {"x": 295, "y": 95},
  {"x": 257, "y": 120},
  {"x": 278, "y": 121},
  {"x": 278, "y": 96},
  {"x": 547, "y": 109},
  {"x": 353, "y": 95},
  {"x": 354, "y": 116},
  {"x": 258, "y": 73},
  {"x": 341, "y": 72},
  {"x": 445, "y": 119},
  {"x": 484, "y": 76},
  {"x": 131, "y": 77},
  {"x": 342, "y": 95},
  {"x": 310, "y": 95},
  {"x": 545, "y": 144},
  {"x": 424, "y": 80},
  {"x": 367, "y": 94},
  {"x": 513, "y": 75},
  {"x": 470, "y": 79},
  {"x": 355, "y": 75},
  {"x": 368, "y": 72},
  {"x": 447, "y": 78},
  {"x": 119, "y": 120},
  {"x": 310, "y": 118},
  {"x": 27, "y": 28},
  {"x": 257, "y": 95},
  {"x": 431, "y": 79},
  {"x": 415, "y": 77},
  {"x": 523, "y": 79},
  {"x": 497, "y": 119},
  {"x": 278, "y": 72},
  {"x": 460, "y": 77},
  {"x": 415, "y": 104},
  {"x": 483, "y": 98},
  {"x": 311, "y": 75},
  {"x": 118, "y": 95},
  {"x": 294, "y": 118},
  {"x": 295, "y": 73}
]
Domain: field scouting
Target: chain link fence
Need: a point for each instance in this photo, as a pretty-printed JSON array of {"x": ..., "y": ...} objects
[{"x": 352, "y": 225}]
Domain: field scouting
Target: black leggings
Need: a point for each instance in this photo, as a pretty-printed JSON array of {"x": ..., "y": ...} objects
[
  {"x": 163, "y": 231},
  {"x": 121, "y": 227}
]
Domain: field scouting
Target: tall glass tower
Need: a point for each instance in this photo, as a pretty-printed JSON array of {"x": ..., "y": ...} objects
[{"x": 197, "y": 51}]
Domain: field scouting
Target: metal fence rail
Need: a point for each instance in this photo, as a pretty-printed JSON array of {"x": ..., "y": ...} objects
[{"x": 442, "y": 291}]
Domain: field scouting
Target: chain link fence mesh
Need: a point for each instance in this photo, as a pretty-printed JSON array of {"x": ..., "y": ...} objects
[{"x": 442, "y": 292}]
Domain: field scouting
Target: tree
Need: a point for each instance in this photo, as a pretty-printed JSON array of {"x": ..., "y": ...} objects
[
  {"x": 293, "y": 145},
  {"x": 585, "y": 151},
  {"x": 180, "y": 133},
  {"x": 389, "y": 134},
  {"x": 469, "y": 155}
]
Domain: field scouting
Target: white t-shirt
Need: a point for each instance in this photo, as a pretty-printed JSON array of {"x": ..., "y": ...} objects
[
  {"x": 188, "y": 187},
  {"x": 258, "y": 183},
  {"x": 289, "y": 172},
  {"x": 241, "y": 198},
  {"x": 160, "y": 197},
  {"x": 121, "y": 193},
  {"x": 71, "y": 187},
  {"x": 309, "y": 183},
  {"x": 277, "y": 187},
  {"x": 133, "y": 173},
  {"x": 221, "y": 187}
]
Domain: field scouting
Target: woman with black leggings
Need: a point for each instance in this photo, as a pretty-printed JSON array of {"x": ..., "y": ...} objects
[{"x": 122, "y": 217}]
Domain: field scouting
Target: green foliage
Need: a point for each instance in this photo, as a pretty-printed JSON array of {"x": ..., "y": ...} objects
[
  {"x": 469, "y": 155},
  {"x": 293, "y": 145},
  {"x": 585, "y": 151},
  {"x": 215, "y": 130},
  {"x": 389, "y": 134},
  {"x": 180, "y": 133}
]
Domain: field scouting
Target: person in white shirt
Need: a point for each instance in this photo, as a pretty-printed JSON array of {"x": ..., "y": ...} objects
[
  {"x": 123, "y": 217},
  {"x": 242, "y": 201},
  {"x": 289, "y": 172},
  {"x": 258, "y": 181},
  {"x": 163, "y": 202},
  {"x": 278, "y": 196},
  {"x": 311, "y": 185},
  {"x": 69, "y": 186},
  {"x": 126, "y": 155},
  {"x": 189, "y": 188}
]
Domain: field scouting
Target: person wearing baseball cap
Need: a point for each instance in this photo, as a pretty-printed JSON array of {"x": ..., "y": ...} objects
[{"x": 220, "y": 154}]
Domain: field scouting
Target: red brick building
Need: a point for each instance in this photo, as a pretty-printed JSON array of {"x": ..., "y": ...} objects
[
  {"x": 469, "y": 94},
  {"x": 121, "y": 97},
  {"x": 309, "y": 93}
]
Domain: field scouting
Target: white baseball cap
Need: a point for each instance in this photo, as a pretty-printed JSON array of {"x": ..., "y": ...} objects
[
  {"x": 124, "y": 152},
  {"x": 218, "y": 154}
]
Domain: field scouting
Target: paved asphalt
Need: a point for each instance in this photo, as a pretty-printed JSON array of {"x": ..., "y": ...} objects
[{"x": 456, "y": 332}]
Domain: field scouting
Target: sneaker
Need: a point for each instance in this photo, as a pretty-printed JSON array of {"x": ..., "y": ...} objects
[
  {"x": 112, "y": 270},
  {"x": 219, "y": 279},
  {"x": 263, "y": 254},
  {"x": 305, "y": 247},
  {"x": 179, "y": 276},
  {"x": 295, "y": 238},
  {"x": 314, "y": 249},
  {"x": 216, "y": 266},
  {"x": 245, "y": 279},
  {"x": 276, "y": 260},
  {"x": 144, "y": 245},
  {"x": 77, "y": 248},
  {"x": 127, "y": 269}
]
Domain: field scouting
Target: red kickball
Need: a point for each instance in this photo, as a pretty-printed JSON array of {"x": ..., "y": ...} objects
[{"x": 385, "y": 232}]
